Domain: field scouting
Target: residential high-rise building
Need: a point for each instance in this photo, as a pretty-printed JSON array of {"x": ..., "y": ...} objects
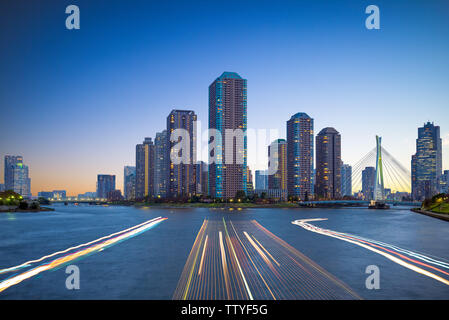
[
  {"x": 17, "y": 176},
  {"x": 300, "y": 156},
  {"x": 368, "y": 180},
  {"x": 129, "y": 182},
  {"x": 182, "y": 181},
  {"x": 161, "y": 164},
  {"x": 313, "y": 179},
  {"x": 202, "y": 178},
  {"x": 262, "y": 179},
  {"x": 427, "y": 162},
  {"x": 277, "y": 161},
  {"x": 114, "y": 195},
  {"x": 105, "y": 184},
  {"x": 228, "y": 116},
  {"x": 346, "y": 180},
  {"x": 249, "y": 182},
  {"x": 10, "y": 163},
  {"x": 328, "y": 164},
  {"x": 145, "y": 169},
  {"x": 22, "y": 182}
]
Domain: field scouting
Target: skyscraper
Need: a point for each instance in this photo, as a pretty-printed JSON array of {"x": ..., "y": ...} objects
[
  {"x": 17, "y": 176},
  {"x": 129, "y": 182},
  {"x": 249, "y": 182},
  {"x": 10, "y": 163},
  {"x": 427, "y": 162},
  {"x": 261, "y": 179},
  {"x": 346, "y": 180},
  {"x": 161, "y": 164},
  {"x": 145, "y": 169},
  {"x": 300, "y": 155},
  {"x": 105, "y": 184},
  {"x": 368, "y": 180},
  {"x": 228, "y": 116},
  {"x": 277, "y": 160},
  {"x": 202, "y": 178},
  {"x": 182, "y": 175},
  {"x": 328, "y": 164}
]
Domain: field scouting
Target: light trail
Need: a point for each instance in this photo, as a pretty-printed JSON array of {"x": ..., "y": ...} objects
[
  {"x": 238, "y": 264},
  {"x": 224, "y": 264},
  {"x": 111, "y": 240},
  {"x": 202, "y": 255},
  {"x": 29, "y": 263},
  {"x": 261, "y": 253},
  {"x": 394, "y": 253},
  {"x": 241, "y": 260},
  {"x": 196, "y": 248},
  {"x": 266, "y": 251}
]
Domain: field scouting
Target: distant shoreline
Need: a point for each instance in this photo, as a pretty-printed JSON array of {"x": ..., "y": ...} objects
[{"x": 7, "y": 209}]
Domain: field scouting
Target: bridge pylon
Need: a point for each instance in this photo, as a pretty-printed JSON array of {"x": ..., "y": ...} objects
[{"x": 379, "y": 190}]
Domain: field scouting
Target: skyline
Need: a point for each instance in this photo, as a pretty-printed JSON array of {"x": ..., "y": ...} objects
[{"x": 402, "y": 67}]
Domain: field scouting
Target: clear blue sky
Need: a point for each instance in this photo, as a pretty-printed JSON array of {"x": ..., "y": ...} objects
[{"x": 76, "y": 102}]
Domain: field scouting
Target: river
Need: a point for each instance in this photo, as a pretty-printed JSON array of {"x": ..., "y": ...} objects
[{"x": 150, "y": 263}]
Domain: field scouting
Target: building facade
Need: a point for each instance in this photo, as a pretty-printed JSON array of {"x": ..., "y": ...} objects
[
  {"x": 444, "y": 182},
  {"x": 17, "y": 176},
  {"x": 10, "y": 163},
  {"x": 300, "y": 156},
  {"x": 249, "y": 182},
  {"x": 145, "y": 169},
  {"x": 181, "y": 172},
  {"x": 59, "y": 194},
  {"x": 368, "y": 180},
  {"x": 129, "y": 182},
  {"x": 105, "y": 184},
  {"x": 427, "y": 162},
  {"x": 202, "y": 178},
  {"x": 277, "y": 162},
  {"x": 261, "y": 179},
  {"x": 161, "y": 165},
  {"x": 45, "y": 194},
  {"x": 114, "y": 195},
  {"x": 328, "y": 164},
  {"x": 228, "y": 116},
  {"x": 346, "y": 180},
  {"x": 273, "y": 194},
  {"x": 87, "y": 196}
]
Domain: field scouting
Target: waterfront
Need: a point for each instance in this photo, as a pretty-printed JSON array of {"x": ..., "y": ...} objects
[{"x": 150, "y": 264}]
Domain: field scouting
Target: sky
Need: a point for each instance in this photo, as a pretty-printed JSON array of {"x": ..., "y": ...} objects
[{"x": 74, "y": 103}]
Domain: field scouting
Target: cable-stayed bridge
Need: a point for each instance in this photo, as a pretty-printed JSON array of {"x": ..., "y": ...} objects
[
  {"x": 389, "y": 172},
  {"x": 384, "y": 173}
]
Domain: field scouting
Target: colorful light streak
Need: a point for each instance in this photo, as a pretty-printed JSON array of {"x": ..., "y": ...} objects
[
  {"x": 91, "y": 247},
  {"x": 396, "y": 254},
  {"x": 235, "y": 265}
]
